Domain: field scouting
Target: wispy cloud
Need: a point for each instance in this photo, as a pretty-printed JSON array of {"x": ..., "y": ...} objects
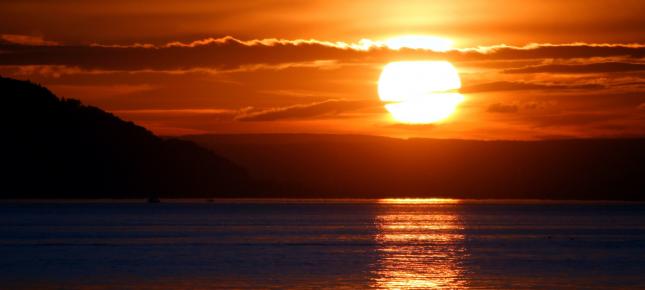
[
  {"x": 328, "y": 108},
  {"x": 30, "y": 40},
  {"x": 198, "y": 111},
  {"x": 503, "y": 108},
  {"x": 525, "y": 86},
  {"x": 316, "y": 110},
  {"x": 603, "y": 67}
]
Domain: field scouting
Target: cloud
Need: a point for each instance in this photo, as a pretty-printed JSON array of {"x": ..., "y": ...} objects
[
  {"x": 524, "y": 86},
  {"x": 635, "y": 84},
  {"x": 177, "y": 111},
  {"x": 559, "y": 51},
  {"x": 101, "y": 91},
  {"x": 230, "y": 54},
  {"x": 503, "y": 108},
  {"x": 198, "y": 114},
  {"x": 29, "y": 40},
  {"x": 326, "y": 108},
  {"x": 604, "y": 67},
  {"x": 300, "y": 93},
  {"x": 364, "y": 44},
  {"x": 51, "y": 71}
]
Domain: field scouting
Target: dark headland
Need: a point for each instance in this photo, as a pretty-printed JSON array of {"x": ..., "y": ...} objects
[{"x": 60, "y": 148}]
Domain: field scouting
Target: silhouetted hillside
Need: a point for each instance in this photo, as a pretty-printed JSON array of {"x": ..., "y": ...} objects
[
  {"x": 55, "y": 147},
  {"x": 367, "y": 166}
]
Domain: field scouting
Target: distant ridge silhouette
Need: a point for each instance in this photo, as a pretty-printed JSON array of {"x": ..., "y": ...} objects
[
  {"x": 54, "y": 148},
  {"x": 370, "y": 166}
]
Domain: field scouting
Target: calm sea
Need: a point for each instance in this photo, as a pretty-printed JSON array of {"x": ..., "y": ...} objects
[{"x": 314, "y": 244}]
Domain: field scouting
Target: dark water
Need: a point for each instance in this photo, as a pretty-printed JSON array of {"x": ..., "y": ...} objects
[{"x": 321, "y": 244}]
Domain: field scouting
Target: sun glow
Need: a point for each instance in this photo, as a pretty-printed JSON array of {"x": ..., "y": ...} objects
[
  {"x": 419, "y": 42},
  {"x": 420, "y": 92},
  {"x": 418, "y": 200}
]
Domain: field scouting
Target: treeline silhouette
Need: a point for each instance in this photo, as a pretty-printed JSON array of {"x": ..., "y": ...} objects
[
  {"x": 368, "y": 166},
  {"x": 53, "y": 148}
]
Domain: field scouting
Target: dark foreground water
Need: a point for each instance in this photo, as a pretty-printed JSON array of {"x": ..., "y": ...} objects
[{"x": 355, "y": 244}]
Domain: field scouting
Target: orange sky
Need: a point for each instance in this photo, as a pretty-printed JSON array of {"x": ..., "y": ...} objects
[{"x": 571, "y": 68}]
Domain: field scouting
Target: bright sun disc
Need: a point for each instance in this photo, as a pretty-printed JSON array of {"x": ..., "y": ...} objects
[{"x": 420, "y": 92}]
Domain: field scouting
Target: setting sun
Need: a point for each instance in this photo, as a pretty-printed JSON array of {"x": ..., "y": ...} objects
[{"x": 420, "y": 92}]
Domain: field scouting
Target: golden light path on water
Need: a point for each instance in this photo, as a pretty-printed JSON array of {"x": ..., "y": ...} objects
[
  {"x": 419, "y": 245},
  {"x": 418, "y": 200}
]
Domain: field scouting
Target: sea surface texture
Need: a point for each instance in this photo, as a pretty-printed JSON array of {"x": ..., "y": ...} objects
[{"x": 314, "y": 244}]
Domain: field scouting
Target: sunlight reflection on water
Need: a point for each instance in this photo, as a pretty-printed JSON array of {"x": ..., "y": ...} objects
[
  {"x": 322, "y": 244},
  {"x": 418, "y": 201},
  {"x": 419, "y": 247}
]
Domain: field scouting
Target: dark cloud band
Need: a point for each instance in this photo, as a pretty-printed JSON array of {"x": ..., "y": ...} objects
[{"x": 230, "y": 53}]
